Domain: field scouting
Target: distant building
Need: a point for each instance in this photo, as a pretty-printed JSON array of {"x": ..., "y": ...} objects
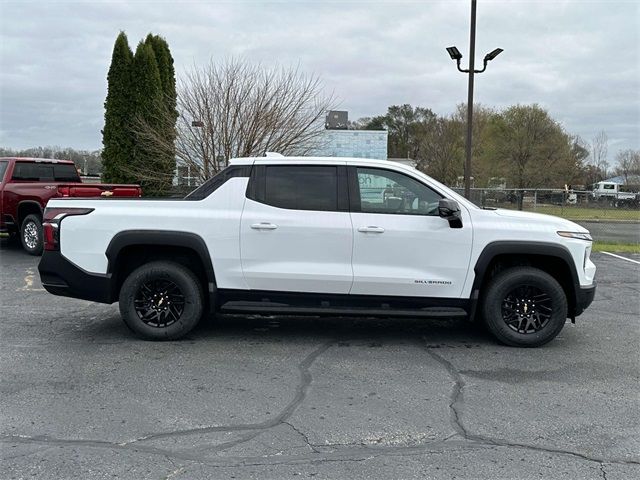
[
  {"x": 337, "y": 141},
  {"x": 353, "y": 143}
]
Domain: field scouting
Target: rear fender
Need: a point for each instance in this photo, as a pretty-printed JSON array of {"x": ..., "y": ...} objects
[{"x": 163, "y": 238}]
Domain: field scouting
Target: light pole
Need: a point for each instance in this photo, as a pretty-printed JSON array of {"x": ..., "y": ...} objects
[{"x": 455, "y": 54}]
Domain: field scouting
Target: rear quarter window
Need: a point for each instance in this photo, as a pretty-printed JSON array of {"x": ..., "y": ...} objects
[{"x": 3, "y": 169}]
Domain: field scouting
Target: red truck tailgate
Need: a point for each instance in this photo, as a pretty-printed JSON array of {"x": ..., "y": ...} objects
[{"x": 89, "y": 190}]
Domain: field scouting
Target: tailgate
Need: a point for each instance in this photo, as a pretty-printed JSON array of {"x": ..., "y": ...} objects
[{"x": 100, "y": 190}]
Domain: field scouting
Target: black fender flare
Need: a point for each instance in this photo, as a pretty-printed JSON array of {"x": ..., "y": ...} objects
[
  {"x": 546, "y": 249},
  {"x": 164, "y": 238},
  {"x": 26, "y": 202}
]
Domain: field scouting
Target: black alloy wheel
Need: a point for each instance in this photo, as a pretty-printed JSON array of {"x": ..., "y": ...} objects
[
  {"x": 162, "y": 300},
  {"x": 527, "y": 309},
  {"x": 159, "y": 303},
  {"x": 524, "y": 306}
]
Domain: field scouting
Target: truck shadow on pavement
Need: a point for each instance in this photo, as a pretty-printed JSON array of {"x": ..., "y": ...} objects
[
  {"x": 340, "y": 329},
  {"x": 240, "y": 329}
]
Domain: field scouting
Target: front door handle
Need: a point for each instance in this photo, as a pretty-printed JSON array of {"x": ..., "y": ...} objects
[
  {"x": 371, "y": 229},
  {"x": 264, "y": 226}
]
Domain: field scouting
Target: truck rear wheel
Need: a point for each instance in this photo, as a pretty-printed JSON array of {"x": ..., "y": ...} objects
[
  {"x": 524, "y": 307},
  {"x": 161, "y": 300},
  {"x": 31, "y": 234}
]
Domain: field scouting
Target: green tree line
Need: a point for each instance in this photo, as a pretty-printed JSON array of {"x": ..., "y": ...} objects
[
  {"x": 521, "y": 145},
  {"x": 88, "y": 161}
]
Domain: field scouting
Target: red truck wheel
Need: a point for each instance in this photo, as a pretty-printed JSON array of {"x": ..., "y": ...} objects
[{"x": 31, "y": 234}]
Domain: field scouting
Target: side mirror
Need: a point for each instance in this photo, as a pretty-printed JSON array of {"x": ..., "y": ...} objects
[{"x": 450, "y": 210}]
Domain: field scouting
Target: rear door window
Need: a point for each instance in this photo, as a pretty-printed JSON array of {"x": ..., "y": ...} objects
[{"x": 302, "y": 187}]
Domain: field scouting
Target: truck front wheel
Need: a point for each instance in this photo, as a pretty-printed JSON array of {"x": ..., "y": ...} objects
[
  {"x": 31, "y": 234},
  {"x": 524, "y": 307},
  {"x": 161, "y": 300}
]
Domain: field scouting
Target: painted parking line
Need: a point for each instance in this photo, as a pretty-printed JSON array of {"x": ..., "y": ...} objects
[
  {"x": 623, "y": 258},
  {"x": 28, "y": 283}
]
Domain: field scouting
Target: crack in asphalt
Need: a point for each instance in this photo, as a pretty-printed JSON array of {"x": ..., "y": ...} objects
[
  {"x": 303, "y": 435},
  {"x": 301, "y": 392},
  {"x": 359, "y": 453},
  {"x": 457, "y": 395},
  {"x": 255, "y": 428},
  {"x": 604, "y": 473},
  {"x": 457, "y": 402}
]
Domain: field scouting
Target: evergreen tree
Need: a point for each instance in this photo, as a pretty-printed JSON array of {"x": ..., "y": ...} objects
[
  {"x": 117, "y": 136},
  {"x": 167, "y": 128},
  {"x": 148, "y": 101},
  {"x": 165, "y": 66}
]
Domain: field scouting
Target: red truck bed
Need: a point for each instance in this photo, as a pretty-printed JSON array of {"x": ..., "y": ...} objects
[{"x": 27, "y": 184}]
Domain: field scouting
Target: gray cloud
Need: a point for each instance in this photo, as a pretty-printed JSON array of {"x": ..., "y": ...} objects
[{"x": 580, "y": 60}]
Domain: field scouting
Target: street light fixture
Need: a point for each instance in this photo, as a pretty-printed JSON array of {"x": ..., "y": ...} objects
[
  {"x": 455, "y": 54},
  {"x": 491, "y": 55}
]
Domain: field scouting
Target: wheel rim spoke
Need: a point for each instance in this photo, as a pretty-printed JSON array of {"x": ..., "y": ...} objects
[
  {"x": 527, "y": 309},
  {"x": 159, "y": 303}
]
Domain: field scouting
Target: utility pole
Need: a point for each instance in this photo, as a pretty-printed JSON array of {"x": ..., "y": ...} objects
[
  {"x": 455, "y": 54},
  {"x": 472, "y": 59}
]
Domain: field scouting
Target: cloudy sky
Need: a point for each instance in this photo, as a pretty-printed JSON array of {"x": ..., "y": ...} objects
[{"x": 578, "y": 59}]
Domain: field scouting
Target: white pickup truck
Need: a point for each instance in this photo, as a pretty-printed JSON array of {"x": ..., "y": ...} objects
[
  {"x": 614, "y": 194},
  {"x": 321, "y": 236}
]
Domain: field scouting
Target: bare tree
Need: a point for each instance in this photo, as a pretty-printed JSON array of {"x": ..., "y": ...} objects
[
  {"x": 628, "y": 164},
  {"x": 599, "y": 148},
  {"x": 238, "y": 109}
]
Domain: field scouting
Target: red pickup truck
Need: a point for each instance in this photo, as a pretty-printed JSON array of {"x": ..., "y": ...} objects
[{"x": 27, "y": 184}]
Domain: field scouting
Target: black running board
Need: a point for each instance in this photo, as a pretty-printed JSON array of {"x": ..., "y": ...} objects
[{"x": 271, "y": 308}]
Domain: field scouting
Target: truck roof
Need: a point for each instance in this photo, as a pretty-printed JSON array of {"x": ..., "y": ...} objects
[{"x": 298, "y": 159}]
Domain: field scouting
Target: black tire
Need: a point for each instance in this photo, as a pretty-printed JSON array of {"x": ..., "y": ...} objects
[
  {"x": 521, "y": 323},
  {"x": 31, "y": 234},
  {"x": 144, "y": 291}
]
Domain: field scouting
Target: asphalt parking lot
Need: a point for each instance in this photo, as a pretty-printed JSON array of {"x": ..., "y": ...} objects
[{"x": 276, "y": 398}]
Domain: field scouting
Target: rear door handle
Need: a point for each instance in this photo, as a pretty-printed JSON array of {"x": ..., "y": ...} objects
[
  {"x": 264, "y": 226},
  {"x": 371, "y": 229}
]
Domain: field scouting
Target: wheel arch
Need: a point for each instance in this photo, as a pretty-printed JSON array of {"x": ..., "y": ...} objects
[
  {"x": 132, "y": 248},
  {"x": 554, "y": 259},
  {"x": 27, "y": 207}
]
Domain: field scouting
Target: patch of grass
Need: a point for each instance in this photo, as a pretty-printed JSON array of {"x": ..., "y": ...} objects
[
  {"x": 616, "y": 247},
  {"x": 583, "y": 213}
]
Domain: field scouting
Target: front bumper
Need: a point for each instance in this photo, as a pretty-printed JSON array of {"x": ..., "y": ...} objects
[
  {"x": 62, "y": 277},
  {"x": 584, "y": 297}
]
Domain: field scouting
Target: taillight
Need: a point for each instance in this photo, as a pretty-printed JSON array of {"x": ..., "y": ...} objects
[
  {"x": 64, "y": 191},
  {"x": 51, "y": 224}
]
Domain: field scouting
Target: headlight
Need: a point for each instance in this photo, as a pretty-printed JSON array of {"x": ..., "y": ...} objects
[{"x": 578, "y": 235}]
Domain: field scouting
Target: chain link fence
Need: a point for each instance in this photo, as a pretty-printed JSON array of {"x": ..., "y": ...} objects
[{"x": 611, "y": 217}]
